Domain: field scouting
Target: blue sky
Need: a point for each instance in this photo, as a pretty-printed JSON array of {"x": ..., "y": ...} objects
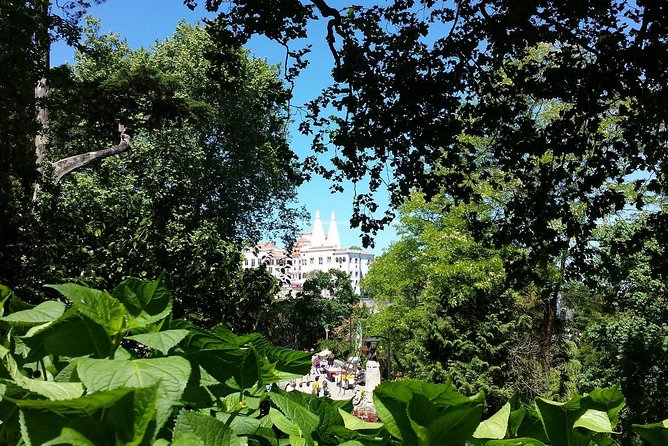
[{"x": 143, "y": 22}]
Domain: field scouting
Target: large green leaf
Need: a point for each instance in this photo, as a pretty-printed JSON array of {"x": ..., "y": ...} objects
[
  {"x": 219, "y": 357},
  {"x": 297, "y": 412},
  {"x": 44, "y": 427},
  {"x": 609, "y": 400},
  {"x": 268, "y": 372},
  {"x": 595, "y": 421},
  {"x": 97, "y": 305},
  {"x": 87, "y": 404},
  {"x": 71, "y": 437},
  {"x": 132, "y": 416},
  {"x": 442, "y": 425},
  {"x": 525, "y": 422},
  {"x": 5, "y": 293},
  {"x": 574, "y": 422},
  {"x": 496, "y": 426},
  {"x": 163, "y": 341},
  {"x": 146, "y": 301},
  {"x": 120, "y": 416},
  {"x": 290, "y": 363},
  {"x": 206, "y": 429},
  {"x": 170, "y": 374},
  {"x": 71, "y": 335},
  {"x": 42, "y": 313},
  {"x": 417, "y": 412},
  {"x": 49, "y": 389},
  {"x": 249, "y": 358},
  {"x": 656, "y": 433},
  {"x": 329, "y": 417},
  {"x": 250, "y": 369},
  {"x": 284, "y": 424},
  {"x": 186, "y": 439},
  {"x": 240, "y": 424}
]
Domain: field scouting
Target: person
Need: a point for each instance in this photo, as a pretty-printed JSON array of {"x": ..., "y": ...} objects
[
  {"x": 325, "y": 388},
  {"x": 315, "y": 362},
  {"x": 330, "y": 360},
  {"x": 315, "y": 387}
]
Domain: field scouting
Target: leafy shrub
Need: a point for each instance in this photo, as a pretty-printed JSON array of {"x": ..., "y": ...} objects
[{"x": 116, "y": 369}]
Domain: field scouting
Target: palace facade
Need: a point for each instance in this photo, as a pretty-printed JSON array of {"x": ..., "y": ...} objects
[{"x": 314, "y": 251}]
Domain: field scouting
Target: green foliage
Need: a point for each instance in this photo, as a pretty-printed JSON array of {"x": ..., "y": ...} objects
[
  {"x": 419, "y": 413},
  {"x": 448, "y": 309},
  {"x": 325, "y": 301},
  {"x": 210, "y": 171},
  {"x": 116, "y": 396},
  {"x": 656, "y": 433},
  {"x": 626, "y": 338},
  {"x": 575, "y": 422},
  {"x": 417, "y": 86},
  {"x": 207, "y": 387}
]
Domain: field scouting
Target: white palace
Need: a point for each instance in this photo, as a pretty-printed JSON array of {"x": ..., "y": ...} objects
[{"x": 314, "y": 251}]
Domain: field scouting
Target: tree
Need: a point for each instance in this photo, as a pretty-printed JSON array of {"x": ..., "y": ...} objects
[
  {"x": 210, "y": 170},
  {"x": 446, "y": 304},
  {"x": 325, "y": 300},
  {"x": 26, "y": 32},
  {"x": 622, "y": 334},
  {"x": 410, "y": 78}
]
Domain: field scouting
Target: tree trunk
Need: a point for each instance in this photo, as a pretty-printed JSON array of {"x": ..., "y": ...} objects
[
  {"x": 549, "y": 322},
  {"x": 550, "y": 317},
  {"x": 43, "y": 48},
  {"x": 66, "y": 165}
]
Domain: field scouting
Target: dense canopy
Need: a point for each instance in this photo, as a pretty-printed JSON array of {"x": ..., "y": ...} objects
[{"x": 414, "y": 80}]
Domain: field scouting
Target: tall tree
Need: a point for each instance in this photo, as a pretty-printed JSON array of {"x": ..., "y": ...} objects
[
  {"x": 411, "y": 77},
  {"x": 27, "y": 29},
  {"x": 445, "y": 300},
  {"x": 210, "y": 169}
]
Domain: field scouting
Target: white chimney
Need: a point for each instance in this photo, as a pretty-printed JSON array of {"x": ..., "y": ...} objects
[
  {"x": 333, "y": 233},
  {"x": 318, "y": 233}
]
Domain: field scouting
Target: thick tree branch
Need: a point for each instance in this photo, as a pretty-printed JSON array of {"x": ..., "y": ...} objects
[
  {"x": 66, "y": 165},
  {"x": 328, "y": 11}
]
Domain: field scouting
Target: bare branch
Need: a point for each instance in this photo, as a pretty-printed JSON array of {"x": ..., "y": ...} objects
[{"x": 66, "y": 165}]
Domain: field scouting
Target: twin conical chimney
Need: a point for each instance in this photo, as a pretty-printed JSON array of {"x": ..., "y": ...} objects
[{"x": 318, "y": 234}]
